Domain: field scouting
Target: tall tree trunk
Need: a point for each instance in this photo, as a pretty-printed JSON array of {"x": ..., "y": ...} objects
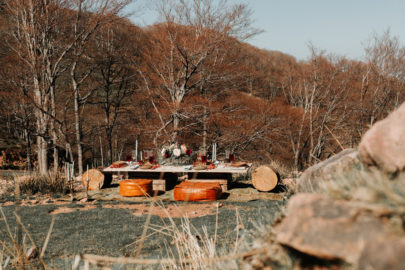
[
  {"x": 110, "y": 145},
  {"x": 28, "y": 147},
  {"x": 176, "y": 121},
  {"x": 204, "y": 142},
  {"x": 101, "y": 151},
  {"x": 53, "y": 124},
  {"x": 78, "y": 129},
  {"x": 42, "y": 150},
  {"x": 69, "y": 154},
  {"x": 116, "y": 148},
  {"x": 42, "y": 155}
]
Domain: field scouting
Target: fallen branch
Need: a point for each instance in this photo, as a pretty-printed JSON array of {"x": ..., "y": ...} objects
[{"x": 96, "y": 259}]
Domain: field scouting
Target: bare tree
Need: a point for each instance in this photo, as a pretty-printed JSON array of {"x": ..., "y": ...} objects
[
  {"x": 191, "y": 36},
  {"x": 116, "y": 77},
  {"x": 319, "y": 93},
  {"x": 384, "y": 77},
  {"x": 42, "y": 36},
  {"x": 89, "y": 16}
]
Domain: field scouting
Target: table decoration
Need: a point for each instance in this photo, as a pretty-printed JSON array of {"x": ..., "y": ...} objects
[{"x": 176, "y": 154}]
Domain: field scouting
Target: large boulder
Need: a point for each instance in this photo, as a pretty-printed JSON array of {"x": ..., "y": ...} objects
[
  {"x": 388, "y": 254},
  {"x": 383, "y": 146},
  {"x": 329, "y": 229},
  {"x": 340, "y": 164}
]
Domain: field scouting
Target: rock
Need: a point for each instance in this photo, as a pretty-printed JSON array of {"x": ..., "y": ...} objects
[
  {"x": 383, "y": 145},
  {"x": 31, "y": 253},
  {"x": 365, "y": 194},
  {"x": 388, "y": 254},
  {"x": 327, "y": 229},
  {"x": 340, "y": 164}
]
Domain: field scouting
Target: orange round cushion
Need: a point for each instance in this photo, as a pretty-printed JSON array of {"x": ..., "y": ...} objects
[
  {"x": 197, "y": 191},
  {"x": 135, "y": 187}
]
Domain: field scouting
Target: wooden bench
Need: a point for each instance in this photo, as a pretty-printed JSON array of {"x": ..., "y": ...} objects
[{"x": 159, "y": 184}]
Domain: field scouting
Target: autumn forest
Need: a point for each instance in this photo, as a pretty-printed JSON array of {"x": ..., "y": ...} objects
[{"x": 80, "y": 82}]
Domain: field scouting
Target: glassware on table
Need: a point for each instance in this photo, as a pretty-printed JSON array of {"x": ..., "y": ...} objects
[
  {"x": 148, "y": 156},
  {"x": 151, "y": 159},
  {"x": 202, "y": 155},
  {"x": 204, "y": 159},
  {"x": 230, "y": 155}
]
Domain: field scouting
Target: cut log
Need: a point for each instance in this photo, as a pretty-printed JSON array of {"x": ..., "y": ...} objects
[
  {"x": 197, "y": 191},
  {"x": 136, "y": 187},
  {"x": 96, "y": 180},
  {"x": 264, "y": 178}
]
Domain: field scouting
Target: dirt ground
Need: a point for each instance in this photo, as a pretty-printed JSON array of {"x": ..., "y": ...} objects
[{"x": 109, "y": 224}]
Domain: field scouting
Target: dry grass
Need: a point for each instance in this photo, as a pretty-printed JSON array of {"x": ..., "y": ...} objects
[
  {"x": 34, "y": 183},
  {"x": 372, "y": 190},
  {"x": 197, "y": 249},
  {"x": 263, "y": 237},
  {"x": 18, "y": 249},
  {"x": 283, "y": 170},
  {"x": 189, "y": 247}
]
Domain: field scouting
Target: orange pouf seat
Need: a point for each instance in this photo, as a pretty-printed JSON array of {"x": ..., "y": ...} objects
[
  {"x": 197, "y": 192},
  {"x": 136, "y": 187}
]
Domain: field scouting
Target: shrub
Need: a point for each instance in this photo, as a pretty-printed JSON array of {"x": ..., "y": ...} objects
[{"x": 45, "y": 184}]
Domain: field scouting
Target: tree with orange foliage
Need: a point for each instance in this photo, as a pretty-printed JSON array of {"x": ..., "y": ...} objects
[{"x": 187, "y": 43}]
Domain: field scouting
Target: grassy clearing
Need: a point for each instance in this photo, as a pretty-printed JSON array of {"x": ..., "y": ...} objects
[
  {"x": 18, "y": 249},
  {"x": 189, "y": 247}
]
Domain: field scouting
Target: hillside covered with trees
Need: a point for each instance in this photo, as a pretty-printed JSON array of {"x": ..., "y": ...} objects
[{"x": 80, "y": 83}]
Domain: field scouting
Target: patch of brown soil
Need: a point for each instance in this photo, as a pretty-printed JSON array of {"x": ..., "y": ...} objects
[
  {"x": 64, "y": 210},
  {"x": 47, "y": 201},
  {"x": 173, "y": 211},
  {"x": 7, "y": 203},
  {"x": 39, "y": 201}
]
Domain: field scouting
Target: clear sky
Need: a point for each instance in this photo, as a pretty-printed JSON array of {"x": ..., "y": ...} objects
[{"x": 342, "y": 27}]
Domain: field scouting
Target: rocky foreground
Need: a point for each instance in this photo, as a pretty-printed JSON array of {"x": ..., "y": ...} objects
[{"x": 348, "y": 212}]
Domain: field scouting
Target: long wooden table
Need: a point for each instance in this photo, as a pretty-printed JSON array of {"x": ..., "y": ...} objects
[{"x": 169, "y": 174}]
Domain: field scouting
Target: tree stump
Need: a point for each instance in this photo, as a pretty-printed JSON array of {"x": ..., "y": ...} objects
[
  {"x": 264, "y": 178},
  {"x": 96, "y": 179}
]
